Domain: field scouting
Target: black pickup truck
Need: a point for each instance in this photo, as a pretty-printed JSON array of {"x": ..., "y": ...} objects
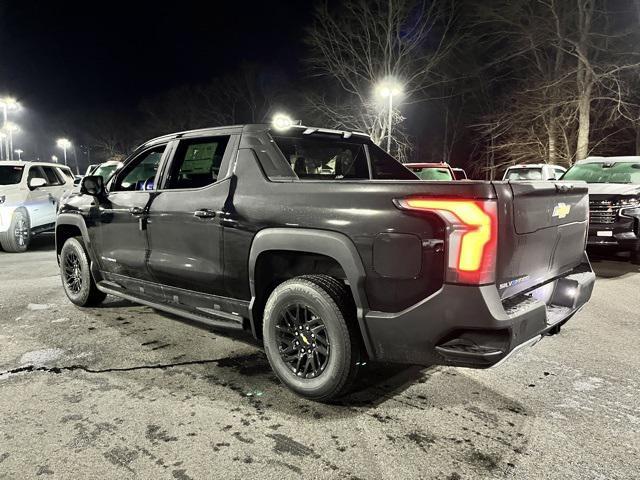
[{"x": 328, "y": 250}]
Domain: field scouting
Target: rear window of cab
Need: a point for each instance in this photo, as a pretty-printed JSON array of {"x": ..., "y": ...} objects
[{"x": 329, "y": 158}]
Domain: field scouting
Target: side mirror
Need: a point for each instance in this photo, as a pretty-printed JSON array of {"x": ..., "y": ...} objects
[
  {"x": 92, "y": 185},
  {"x": 37, "y": 183}
]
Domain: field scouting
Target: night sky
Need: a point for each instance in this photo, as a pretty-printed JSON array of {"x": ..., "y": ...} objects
[{"x": 67, "y": 55}]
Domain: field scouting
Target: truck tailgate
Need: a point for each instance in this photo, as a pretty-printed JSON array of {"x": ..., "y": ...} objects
[{"x": 542, "y": 232}]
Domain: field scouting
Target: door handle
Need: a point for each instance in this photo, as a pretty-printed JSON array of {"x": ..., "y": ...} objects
[
  {"x": 136, "y": 211},
  {"x": 204, "y": 213}
]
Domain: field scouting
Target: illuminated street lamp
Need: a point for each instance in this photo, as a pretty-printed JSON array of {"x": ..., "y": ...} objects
[
  {"x": 64, "y": 144},
  {"x": 10, "y": 128},
  {"x": 54, "y": 159},
  {"x": 19, "y": 152},
  {"x": 389, "y": 88}
]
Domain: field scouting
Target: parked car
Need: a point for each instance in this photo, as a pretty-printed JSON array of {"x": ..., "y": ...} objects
[
  {"x": 91, "y": 168},
  {"x": 106, "y": 169},
  {"x": 328, "y": 250},
  {"x": 614, "y": 201},
  {"x": 29, "y": 194},
  {"x": 459, "y": 174},
  {"x": 534, "y": 171},
  {"x": 431, "y": 171}
]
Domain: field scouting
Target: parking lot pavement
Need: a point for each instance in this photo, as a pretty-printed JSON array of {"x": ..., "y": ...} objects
[{"x": 125, "y": 392}]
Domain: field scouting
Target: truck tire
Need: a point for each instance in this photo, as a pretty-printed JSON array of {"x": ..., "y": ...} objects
[
  {"x": 17, "y": 238},
  {"x": 311, "y": 338},
  {"x": 75, "y": 273}
]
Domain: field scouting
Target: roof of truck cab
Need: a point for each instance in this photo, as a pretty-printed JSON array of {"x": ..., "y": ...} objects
[{"x": 247, "y": 128}]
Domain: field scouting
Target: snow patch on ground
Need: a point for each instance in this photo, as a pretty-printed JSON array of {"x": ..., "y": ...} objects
[
  {"x": 60, "y": 320},
  {"x": 587, "y": 385},
  {"x": 38, "y": 306},
  {"x": 39, "y": 358}
]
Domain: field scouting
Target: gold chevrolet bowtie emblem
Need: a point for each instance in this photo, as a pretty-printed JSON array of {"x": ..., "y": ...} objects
[{"x": 561, "y": 210}]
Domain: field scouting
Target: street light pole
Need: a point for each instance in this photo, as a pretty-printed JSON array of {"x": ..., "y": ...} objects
[
  {"x": 64, "y": 144},
  {"x": 390, "y": 121},
  {"x": 10, "y": 144},
  {"x": 19, "y": 152},
  {"x": 9, "y": 129},
  {"x": 387, "y": 89},
  {"x": 8, "y": 103},
  {"x": 5, "y": 141}
]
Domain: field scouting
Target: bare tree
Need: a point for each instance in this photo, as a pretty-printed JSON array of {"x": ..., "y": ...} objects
[
  {"x": 368, "y": 41},
  {"x": 559, "y": 60}
]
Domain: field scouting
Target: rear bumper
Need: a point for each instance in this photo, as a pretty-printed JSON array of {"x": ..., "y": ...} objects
[{"x": 472, "y": 327}]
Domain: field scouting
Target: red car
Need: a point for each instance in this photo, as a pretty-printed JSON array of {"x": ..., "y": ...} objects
[{"x": 432, "y": 171}]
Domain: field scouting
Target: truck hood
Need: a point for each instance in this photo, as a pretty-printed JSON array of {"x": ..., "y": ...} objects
[{"x": 613, "y": 189}]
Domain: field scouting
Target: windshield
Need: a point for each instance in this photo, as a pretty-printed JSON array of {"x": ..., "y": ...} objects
[
  {"x": 524, "y": 174},
  {"x": 432, "y": 173},
  {"x": 105, "y": 171},
  {"x": 10, "y": 174},
  {"x": 603, "y": 172}
]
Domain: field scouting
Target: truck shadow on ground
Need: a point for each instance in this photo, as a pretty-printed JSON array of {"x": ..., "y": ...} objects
[
  {"x": 375, "y": 384},
  {"x": 612, "y": 265}
]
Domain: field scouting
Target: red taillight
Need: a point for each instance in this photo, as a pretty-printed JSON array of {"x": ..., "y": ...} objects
[{"x": 472, "y": 228}]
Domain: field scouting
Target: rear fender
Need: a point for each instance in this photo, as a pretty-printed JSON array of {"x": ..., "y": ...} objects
[{"x": 331, "y": 244}]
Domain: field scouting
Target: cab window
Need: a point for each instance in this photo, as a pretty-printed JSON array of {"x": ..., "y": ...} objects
[
  {"x": 52, "y": 178},
  {"x": 140, "y": 173},
  {"x": 324, "y": 159},
  {"x": 196, "y": 163}
]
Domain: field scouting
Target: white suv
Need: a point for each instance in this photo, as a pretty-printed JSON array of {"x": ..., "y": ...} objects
[
  {"x": 533, "y": 171},
  {"x": 29, "y": 196}
]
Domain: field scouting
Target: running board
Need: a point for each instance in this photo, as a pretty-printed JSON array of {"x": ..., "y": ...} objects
[{"x": 232, "y": 325}]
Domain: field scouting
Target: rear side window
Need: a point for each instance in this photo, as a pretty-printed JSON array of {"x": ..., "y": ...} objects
[
  {"x": 385, "y": 167},
  {"x": 324, "y": 159},
  {"x": 196, "y": 163}
]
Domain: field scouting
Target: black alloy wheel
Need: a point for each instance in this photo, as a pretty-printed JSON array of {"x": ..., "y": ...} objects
[
  {"x": 303, "y": 341},
  {"x": 75, "y": 272},
  {"x": 72, "y": 272}
]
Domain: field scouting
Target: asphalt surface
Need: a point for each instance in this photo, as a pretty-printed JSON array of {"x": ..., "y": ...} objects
[{"x": 123, "y": 392}]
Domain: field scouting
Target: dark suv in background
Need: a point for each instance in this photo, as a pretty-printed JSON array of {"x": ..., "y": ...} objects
[{"x": 614, "y": 201}]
